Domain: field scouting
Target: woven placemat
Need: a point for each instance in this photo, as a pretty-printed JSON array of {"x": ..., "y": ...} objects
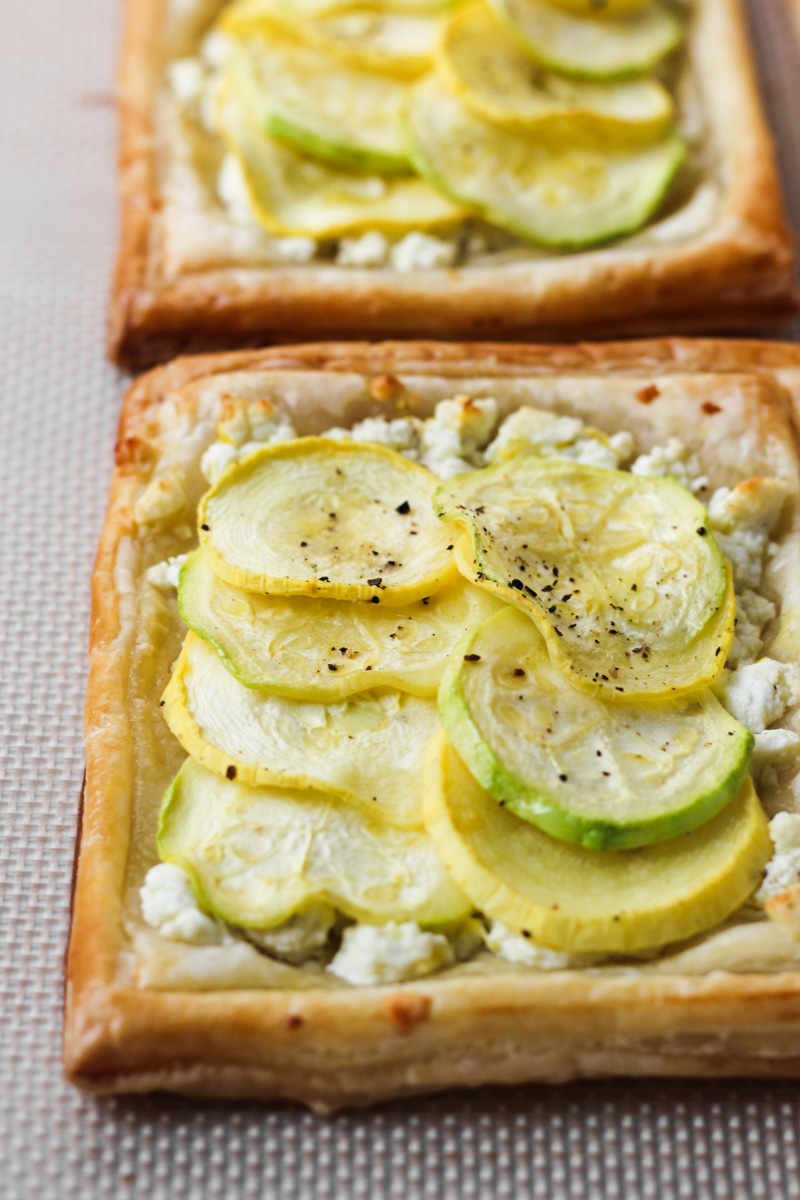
[{"x": 58, "y": 403}]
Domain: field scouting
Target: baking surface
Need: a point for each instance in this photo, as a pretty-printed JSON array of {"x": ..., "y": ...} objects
[{"x": 59, "y": 403}]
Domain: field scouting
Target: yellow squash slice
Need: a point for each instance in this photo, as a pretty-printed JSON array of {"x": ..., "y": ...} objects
[
  {"x": 606, "y": 776},
  {"x": 551, "y": 192},
  {"x": 369, "y": 747},
  {"x": 485, "y": 67},
  {"x": 382, "y": 40},
  {"x": 257, "y": 856},
  {"x": 335, "y": 111},
  {"x": 293, "y": 194},
  {"x": 579, "y": 900},
  {"x": 326, "y": 650},
  {"x": 619, "y": 571},
  {"x": 593, "y": 46},
  {"x": 341, "y": 520}
]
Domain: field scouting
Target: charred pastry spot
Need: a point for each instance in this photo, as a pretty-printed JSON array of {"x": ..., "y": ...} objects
[
  {"x": 647, "y": 395},
  {"x": 230, "y": 773},
  {"x": 294, "y": 1021},
  {"x": 403, "y": 508},
  {"x": 710, "y": 408},
  {"x": 472, "y": 658}
]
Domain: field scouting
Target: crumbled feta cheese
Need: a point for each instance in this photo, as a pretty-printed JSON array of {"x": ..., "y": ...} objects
[
  {"x": 391, "y": 953},
  {"x": 753, "y": 612},
  {"x": 369, "y": 250},
  {"x": 421, "y": 252},
  {"x": 783, "y": 869},
  {"x": 741, "y": 519},
  {"x": 293, "y": 249},
  {"x": 186, "y": 79},
  {"x": 517, "y": 949},
  {"x": 216, "y": 49},
  {"x": 401, "y": 435},
  {"x": 531, "y": 431},
  {"x": 160, "y": 500},
  {"x": 166, "y": 574},
  {"x": 169, "y": 905},
  {"x": 232, "y": 191},
  {"x": 759, "y": 694},
  {"x": 673, "y": 460},
  {"x": 452, "y": 438},
  {"x": 299, "y": 938},
  {"x": 774, "y": 748},
  {"x": 249, "y": 429}
]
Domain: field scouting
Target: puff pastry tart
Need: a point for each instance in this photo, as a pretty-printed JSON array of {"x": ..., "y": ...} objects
[
  {"x": 489, "y": 168},
  {"x": 442, "y": 723}
]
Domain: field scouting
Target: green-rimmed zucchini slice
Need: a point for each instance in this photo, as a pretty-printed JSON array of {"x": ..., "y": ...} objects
[
  {"x": 369, "y": 747},
  {"x": 335, "y": 111},
  {"x": 341, "y": 520},
  {"x": 257, "y": 856},
  {"x": 380, "y": 40},
  {"x": 292, "y": 194},
  {"x": 484, "y": 66},
  {"x": 597, "y": 47},
  {"x": 619, "y": 571},
  {"x": 579, "y": 900},
  {"x": 606, "y": 776},
  {"x": 326, "y": 650},
  {"x": 555, "y": 194}
]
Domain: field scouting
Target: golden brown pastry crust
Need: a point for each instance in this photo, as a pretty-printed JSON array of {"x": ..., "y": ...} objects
[
  {"x": 341, "y": 1046},
  {"x": 736, "y": 274}
]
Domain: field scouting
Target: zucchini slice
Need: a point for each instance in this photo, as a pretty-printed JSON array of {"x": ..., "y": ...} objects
[
  {"x": 619, "y": 572},
  {"x": 593, "y": 47},
  {"x": 369, "y": 747},
  {"x": 381, "y": 40},
  {"x": 484, "y": 66},
  {"x": 293, "y": 194},
  {"x": 578, "y": 900},
  {"x": 326, "y": 650},
  {"x": 314, "y": 516},
  {"x": 561, "y": 194},
  {"x": 335, "y": 111},
  {"x": 606, "y": 776},
  {"x": 257, "y": 856}
]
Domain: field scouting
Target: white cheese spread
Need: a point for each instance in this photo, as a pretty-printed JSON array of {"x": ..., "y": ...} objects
[
  {"x": 369, "y": 250},
  {"x": 515, "y": 948},
  {"x": 783, "y": 869},
  {"x": 672, "y": 460},
  {"x": 166, "y": 574},
  {"x": 391, "y": 953},
  {"x": 169, "y": 905},
  {"x": 421, "y": 252},
  {"x": 759, "y": 694}
]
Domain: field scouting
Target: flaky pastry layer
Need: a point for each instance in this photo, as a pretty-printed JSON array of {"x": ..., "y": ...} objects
[{"x": 144, "y": 1013}]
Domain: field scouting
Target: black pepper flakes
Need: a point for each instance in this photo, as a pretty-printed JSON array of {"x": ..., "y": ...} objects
[
  {"x": 472, "y": 658},
  {"x": 332, "y": 667},
  {"x": 702, "y": 531},
  {"x": 403, "y": 508},
  {"x": 205, "y": 527},
  {"x": 518, "y": 671},
  {"x": 230, "y": 772}
]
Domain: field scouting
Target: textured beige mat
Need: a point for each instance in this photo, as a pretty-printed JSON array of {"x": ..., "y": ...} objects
[{"x": 58, "y": 405}]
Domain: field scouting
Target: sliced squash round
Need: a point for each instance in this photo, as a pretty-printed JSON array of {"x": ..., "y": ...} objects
[
  {"x": 606, "y": 776},
  {"x": 593, "y": 47},
  {"x": 619, "y": 571},
  {"x": 369, "y": 747},
  {"x": 484, "y": 66},
  {"x": 326, "y": 650},
  {"x": 293, "y": 194},
  {"x": 600, "y": 9},
  {"x": 377, "y": 39},
  {"x": 314, "y": 516},
  {"x": 578, "y": 900},
  {"x": 335, "y": 111},
  {"x": 555, "y": 193},
  {"x": 257, "y": 856}
]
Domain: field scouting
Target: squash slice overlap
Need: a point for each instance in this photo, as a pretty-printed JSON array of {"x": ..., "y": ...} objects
[
  {"x": 578, "y": 900},
  {"x": 619, "y": 572},
  {"x": 259, "y": 855},
  {"x": 341, "y": 520},
  {"x": 325, "y": 650},
  {"x": 370, "y": 747},
  {"x": 606, "y": 776}
]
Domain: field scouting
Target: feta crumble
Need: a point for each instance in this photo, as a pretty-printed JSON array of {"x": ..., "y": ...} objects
[
  {"x": 530, "y": 431},
  {"x": 421, "y": 252},
  {"x": 759, "y": 694},
  {"x": 166, "y": 574},
  {"x": 369, "y": 250},
  {"x": 391, "y": 953},
  {"x": 753, "y": 613},
  {"x": 452, "y": 438},
  {"x": 186, "y": 79},
  {"x": 741, "y": 519},
  {"x": 783, "y": 869},
  {"x": 401, "y": 435},
  {"x": 162, "y": 499},
  {"x": 249, "y": 429},
  {"x": 671, "y": 460},
  {"x": 169, "y": 906},
  {"x": 517, "y": 949}
]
